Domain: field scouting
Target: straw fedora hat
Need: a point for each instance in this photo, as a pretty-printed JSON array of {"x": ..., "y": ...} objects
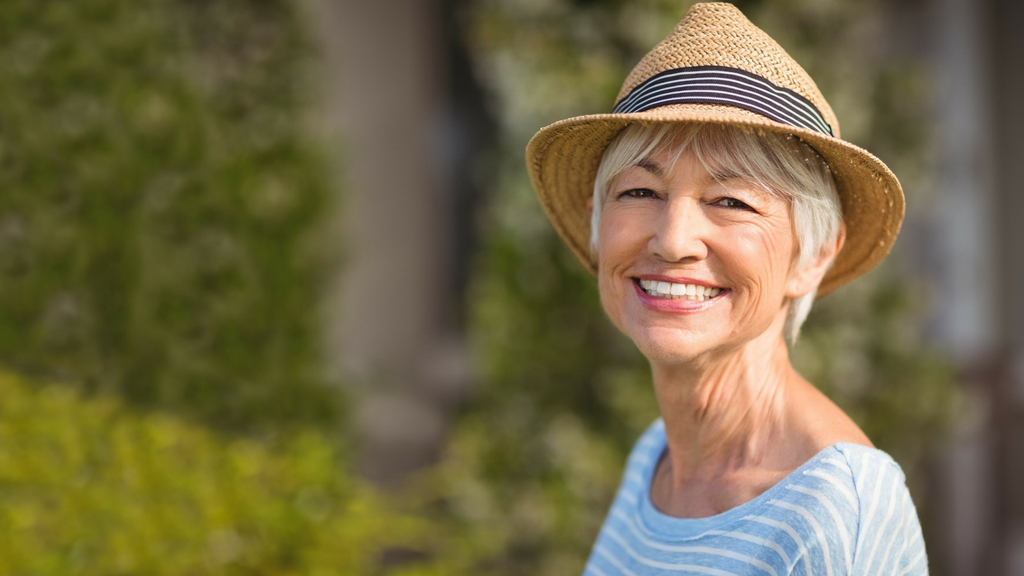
[{"x": 716, "y": 66}]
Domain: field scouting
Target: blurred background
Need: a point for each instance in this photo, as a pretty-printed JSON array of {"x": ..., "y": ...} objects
[{"x": 276, "y": 296}]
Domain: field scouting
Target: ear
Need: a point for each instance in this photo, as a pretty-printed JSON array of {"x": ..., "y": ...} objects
[
  {"x": 803, "y": 281},
  {"x": 590, "y": 207}
]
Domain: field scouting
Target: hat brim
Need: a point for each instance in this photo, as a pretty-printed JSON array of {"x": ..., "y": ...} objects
[{"x": 563, "y": 158}]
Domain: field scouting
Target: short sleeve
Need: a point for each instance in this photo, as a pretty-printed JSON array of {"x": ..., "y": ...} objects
[{"x": 889, "y": 539}]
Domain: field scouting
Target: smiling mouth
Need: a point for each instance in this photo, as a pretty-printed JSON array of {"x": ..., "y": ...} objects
[{"x": 673, "y": 291}]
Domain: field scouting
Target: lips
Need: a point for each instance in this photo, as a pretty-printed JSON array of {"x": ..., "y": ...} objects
[
  {"x": 655, "y": 297},
  {"x": 674, "y": 290}
]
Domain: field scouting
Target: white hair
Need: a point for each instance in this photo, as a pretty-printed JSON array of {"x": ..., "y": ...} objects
[{"x": 782, "y": 164}]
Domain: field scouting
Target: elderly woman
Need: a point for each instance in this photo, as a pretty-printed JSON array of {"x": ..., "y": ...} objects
[{"x": 713, "y": 205}]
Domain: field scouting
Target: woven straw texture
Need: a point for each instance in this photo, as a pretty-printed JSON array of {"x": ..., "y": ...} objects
[{"x": 563, "y": 158}]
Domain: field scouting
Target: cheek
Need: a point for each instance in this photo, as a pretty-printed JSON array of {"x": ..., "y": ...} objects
[
  {"x": 621, "y": 237},
  {"x": 609, "y": 298},
  {"x": 614, "y": 294},
  {"x": 776, "y": 247},
  {"x": 762, "y": 255},
  {"x": 622, "y": 244}
]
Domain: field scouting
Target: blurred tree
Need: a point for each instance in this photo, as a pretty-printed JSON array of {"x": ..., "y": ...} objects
[
  {"x": 90, "y": 487},
  {"x": 562, "y": 396},
  {"x": 160, "y": 230}
]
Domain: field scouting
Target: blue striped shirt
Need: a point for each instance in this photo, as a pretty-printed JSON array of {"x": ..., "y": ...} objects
[{"x": 845, "y": 511}]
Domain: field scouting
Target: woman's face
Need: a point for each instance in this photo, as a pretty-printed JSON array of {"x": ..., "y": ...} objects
[{"x": 666, "y": 229}]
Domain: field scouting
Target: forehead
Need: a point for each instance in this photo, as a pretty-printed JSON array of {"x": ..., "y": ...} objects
[
  {"x": 717, "y": 155},
  {"x": 675, "y": 162},
  {"x": 668, "y": 162}
]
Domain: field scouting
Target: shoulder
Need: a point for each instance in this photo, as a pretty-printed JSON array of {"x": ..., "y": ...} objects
[
  {"x": 888, "y": 531},
  {"x": 650, "y": 444},
  {"x": 851, "y": 507},
  {"x": 873, "y": 480},
  {"x": 641, "y": 461},
  {"x": 861, "y": 474},
  {"x": 878, "y": 481},
  {"x": 865, "y": 462}
]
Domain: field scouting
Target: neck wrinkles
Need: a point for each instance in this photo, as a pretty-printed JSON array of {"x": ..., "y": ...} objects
[{"x": 723, "y": 414}]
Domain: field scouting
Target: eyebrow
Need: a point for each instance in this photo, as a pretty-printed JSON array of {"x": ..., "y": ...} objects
[
  {"x": 651, "y": 166},
  {"x": 716, "y": 176},
  {"x": 722, "y": 175}
]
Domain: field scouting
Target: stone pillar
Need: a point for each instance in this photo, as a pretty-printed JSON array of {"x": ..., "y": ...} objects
[
  {"x": 1006, "y": 69},
  {"x": 964, "y": 270},
  {"x": 980, "y": 258},
  {"x": 394, "y": 336}
]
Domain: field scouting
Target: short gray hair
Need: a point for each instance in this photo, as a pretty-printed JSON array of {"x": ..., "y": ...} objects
[{"x": 782, "y": 164}]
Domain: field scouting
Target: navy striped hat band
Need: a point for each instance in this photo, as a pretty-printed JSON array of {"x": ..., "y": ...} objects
[{"x": 723, "y": 85}]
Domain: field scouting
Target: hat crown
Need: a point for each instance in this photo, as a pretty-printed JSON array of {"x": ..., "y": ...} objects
[{"x": 718, "y": 34}]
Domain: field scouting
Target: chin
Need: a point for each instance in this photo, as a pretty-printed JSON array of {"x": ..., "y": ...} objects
[{"x": 670, "y": 345}]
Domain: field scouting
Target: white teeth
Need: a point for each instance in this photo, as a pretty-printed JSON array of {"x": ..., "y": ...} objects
[{"x": 672, "y": 290}]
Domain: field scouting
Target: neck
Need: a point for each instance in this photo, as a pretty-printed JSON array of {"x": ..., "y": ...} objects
[{"x": 726, "y": 412}]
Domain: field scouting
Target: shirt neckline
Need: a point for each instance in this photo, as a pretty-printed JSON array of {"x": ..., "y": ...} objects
[{"x": 664, "y": 526}]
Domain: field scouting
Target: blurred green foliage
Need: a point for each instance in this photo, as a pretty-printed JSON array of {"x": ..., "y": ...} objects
[
  {"x": 160, "y": 233},
  {"x": 162, "y": 255},
  {"x": 91, "y": 487},
  {"x": 536, "y": 457}
]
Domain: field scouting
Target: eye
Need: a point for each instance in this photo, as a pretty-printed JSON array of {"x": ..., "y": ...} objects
[
  {"x": 638, "y": 193},
  {"x": 733, "y": 203}
]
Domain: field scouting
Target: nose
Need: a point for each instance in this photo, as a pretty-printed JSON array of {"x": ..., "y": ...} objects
[{"x": 679, "y": 235}]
